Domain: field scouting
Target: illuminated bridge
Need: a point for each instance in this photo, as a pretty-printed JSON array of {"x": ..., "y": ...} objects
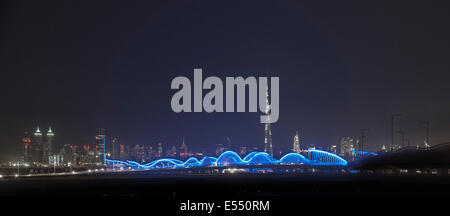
[
  {"x": 253, "y": 162},
  {"x": 357, "y": 155}
]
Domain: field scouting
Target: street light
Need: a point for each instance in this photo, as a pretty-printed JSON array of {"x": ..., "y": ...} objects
[{"x": 393, "y": 130}]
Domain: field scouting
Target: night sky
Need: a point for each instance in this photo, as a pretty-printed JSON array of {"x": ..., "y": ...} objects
[{"x": 343, "y": 66}]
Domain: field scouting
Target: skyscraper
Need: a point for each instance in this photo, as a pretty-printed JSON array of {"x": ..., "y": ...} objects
[
  {"x": 149, "y": 154},
  {"x": 100, "y": 155},
  {"x": 47, "y": 149},
  {"x": 183, "y": 150},
  {"x": 115, "y": 148},
  {"x": 160, "y": 150},
  {"x": 267, "y": 131},
  {"x": 296, "y": 145},
  {"x": 27, "y": 148},
  {"x": 37, "y": 143},
  {"x": 347, "y": 146}
]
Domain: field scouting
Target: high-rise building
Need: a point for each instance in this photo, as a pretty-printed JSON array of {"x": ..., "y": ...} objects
[
  {"x": 47, "y": 148},
  {"x": 124, "y": 152},
  {"x": 183, "y": 150},
  {"x": 296, "y": 145},
  {"x": 85, "y": 155},
  {"x": 138, "y": 153},
  {"x": 347, "y": 146},
  {"x": 160, "y": 150},
  {"x": 115, "y": 148},
  {"x": 172, "y": 151},
  {"x": 101, "y": 148},
  {"x": 267, "y": 130},
  {"x": 27, "y": 148},
  {"x": 149, "y": 153},
  {"x": 333, "y": 149},
  {"x": 68, "y": 154},
  {"x": 37, "y": 143}
]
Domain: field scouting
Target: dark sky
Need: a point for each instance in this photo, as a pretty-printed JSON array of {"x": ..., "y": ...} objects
[{"x": 343, "y": 66}]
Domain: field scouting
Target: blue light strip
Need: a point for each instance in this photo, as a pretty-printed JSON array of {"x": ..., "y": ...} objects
[
  {"x": 326, "y": 158},
  {"x": 230, "y": 158},
  {"x": 360, "y": 154},
  {"x": 365, "y": 153}
]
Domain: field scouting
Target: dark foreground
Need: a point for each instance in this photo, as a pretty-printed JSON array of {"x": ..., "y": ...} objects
[{"x": 286, "y": 192}]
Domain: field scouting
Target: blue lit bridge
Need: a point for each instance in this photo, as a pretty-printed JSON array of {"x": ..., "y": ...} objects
[{"x": 254, "y": 162}]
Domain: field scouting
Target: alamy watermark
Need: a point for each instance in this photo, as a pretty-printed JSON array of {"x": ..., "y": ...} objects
[{"x": 213, "y": 100}]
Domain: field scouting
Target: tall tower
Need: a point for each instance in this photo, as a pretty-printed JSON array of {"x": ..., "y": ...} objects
[
  {"x": 37, "y": 143},
  {"x": 115, "y": 148},
  {"x": 101, "y": 148},
  {"x": 267, "y": 131},
  {"x": 160, "y": 149},
  {"x": 27, "y": 148},
  {"x": 48, "y": 146},
  {"x": 183, "y": 149},
  {"x": 296, "y": 146}
]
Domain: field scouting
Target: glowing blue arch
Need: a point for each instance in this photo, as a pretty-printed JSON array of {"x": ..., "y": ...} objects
[
  {"x": 294, "y": 158},
  {"x": 250, "y": 155},
  {"x": 230, "y": 158},
  {"x": 123, "y": 163},
  {"x": 208, "y": 161},
  {"x": 262, "y": 158},
  {"x": 162, "y": 160},
  {"x": 164, "y": 163},
  {"x": 319, "y": 157},
  {"x": 361, "y": 154},
  {"x": 191, "y": 162}
]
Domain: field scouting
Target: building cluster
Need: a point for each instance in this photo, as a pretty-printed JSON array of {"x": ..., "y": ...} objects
[
  {"x": 297, "y": 146},
  {"x": 39, "y": 149},
  {"x": 348, "y": 145},
  {"x": 147, "y": 153},
  {"x": 303, "y": 148}
]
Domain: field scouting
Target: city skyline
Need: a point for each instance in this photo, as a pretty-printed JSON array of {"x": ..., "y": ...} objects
[
  {"x": 191, "y": 107},
  {"x": 281, "y": 148},
  {"x": 115, "y": 149},
  {"x": 77, "y": 73}
]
